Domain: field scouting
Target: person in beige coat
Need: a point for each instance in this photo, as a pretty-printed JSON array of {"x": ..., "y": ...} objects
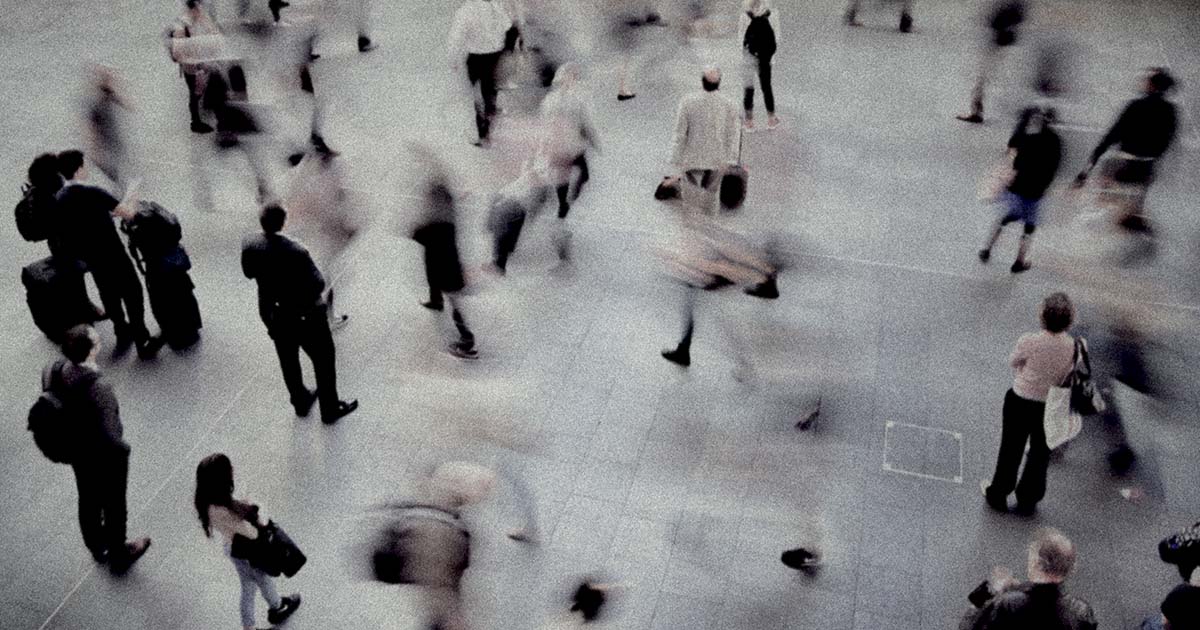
[{"x": 707, "y": 128}]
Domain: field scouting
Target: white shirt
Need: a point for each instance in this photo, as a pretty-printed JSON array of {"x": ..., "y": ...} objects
[
  {"x": 478, "y": 28},
  {"x": 224, "y": 521},
  {"x": 1041, "y": 360},
  {"x": 706, "y": 132}
]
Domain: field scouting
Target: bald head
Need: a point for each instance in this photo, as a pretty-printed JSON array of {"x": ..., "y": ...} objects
[{"x": 711, "y": 79}]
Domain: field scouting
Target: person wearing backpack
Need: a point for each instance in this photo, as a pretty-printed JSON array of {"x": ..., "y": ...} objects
[
  {"x": 77, "y": 421},
  {"x": 759, "y": 28},
  {"x": 236, "y": 520},
  {"x": 154, "y": 242}
]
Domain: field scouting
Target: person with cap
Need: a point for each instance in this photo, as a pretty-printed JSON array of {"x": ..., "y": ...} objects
[
  {"x": 706, "y": 140},
  {"x": 291, "y": 303}
]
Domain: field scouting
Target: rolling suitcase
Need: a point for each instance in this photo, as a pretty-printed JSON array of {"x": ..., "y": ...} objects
[
  {"x": 733, "y": 183},
  {"x": 56, "y": 295},
  {"x": 154, "y": 236}
]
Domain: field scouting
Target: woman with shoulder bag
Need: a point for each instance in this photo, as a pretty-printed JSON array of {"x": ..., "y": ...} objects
[
  {"x": 1041, "y": 360},
  {"x": 217, "y": 509}
]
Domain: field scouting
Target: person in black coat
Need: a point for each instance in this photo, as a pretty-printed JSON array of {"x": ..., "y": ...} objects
[
  {"x": 291, "y": 304},
  {"x": 443, "y": 267}
]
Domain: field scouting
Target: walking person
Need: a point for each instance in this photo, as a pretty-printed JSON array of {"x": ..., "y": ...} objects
[
  {"x": 1003, "y": 19},
  {"x": 758, "y": 26},
  {"x": 84, "y": 232},
  {"x": 234, "y": 519},
  {"x": 1040, "y": 601},
  {"x": 106, "y": 145},
  {"x": 625, "y": 30},
  {"x": 1180, "y": 610},
  {"x": 194, "y": 22},
  {"x": 101, "y": 463},
  {"x": 568, "y": 135},
  {"x": 291, "y": 304},
  {"x": 520, "y": 202},
  {"x": 1039, "y": 361},
  {"x": 437, "y": 234},
  {"x": 906, "y": 21},
  {"x": 481, "y": 31},
  {"x": 1036, "y": 152},
  {"x": 705, "y": 140}
]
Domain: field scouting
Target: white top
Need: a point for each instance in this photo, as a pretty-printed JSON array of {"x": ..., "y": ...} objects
[
  {"x": 567, "y": 129},
  {"x": 744, "y": 25},
  {"x": 1041, "y": 360},
  {"x": 227, "y": 523},
  {"x": 706, "y": 132},
  {"x": 478, "y": 28}
]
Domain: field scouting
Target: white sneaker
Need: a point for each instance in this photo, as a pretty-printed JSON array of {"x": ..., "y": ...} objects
[{"x": 772, "y": 121}]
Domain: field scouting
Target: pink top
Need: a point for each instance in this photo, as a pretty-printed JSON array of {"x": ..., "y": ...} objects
[{"x": 1042, "y": 360}]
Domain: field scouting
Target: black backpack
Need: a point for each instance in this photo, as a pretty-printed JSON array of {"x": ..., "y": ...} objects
[
  {"x": 32, "y": 222},
  {"x": 154, "y": 236},
  {"x": 49, "y": 420},
  {"x": 760, "y": 37}
]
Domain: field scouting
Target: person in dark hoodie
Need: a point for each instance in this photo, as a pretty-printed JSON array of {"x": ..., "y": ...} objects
[{"x": 101, "y": 462}]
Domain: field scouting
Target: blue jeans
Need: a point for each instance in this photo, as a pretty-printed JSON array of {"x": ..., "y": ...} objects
[
  {"x": 1153, "y": 622},
  {"x": 251, "y": 579}
]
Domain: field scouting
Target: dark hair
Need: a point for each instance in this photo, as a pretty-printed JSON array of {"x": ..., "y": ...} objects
[
  {"x": 1160, "y": 80},
  {"x": 78, "y": 343},
  {"x": 710, "y": 86},
  {"x": 1055, "y": 552},
  {"x": 43, "y": 174},
  {"x": 1057, "y": 312},
  {"x": 69, "y": 162},
  {"x": 272, "y": 218},
  {"x": 214, "y": 486},
  {"x": 587, "y": 601}
]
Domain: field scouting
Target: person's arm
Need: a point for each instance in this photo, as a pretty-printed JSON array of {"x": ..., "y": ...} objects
[
  {"x": 681, "y": 133},
  {"x": 250, "y": 259},
  {"x": 1112, "y": 137},
  {"x": 110, "y": 415},
  {"x": 1020, "y": 353}
]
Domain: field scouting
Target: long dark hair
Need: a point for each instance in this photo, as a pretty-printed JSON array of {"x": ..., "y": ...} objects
[{"x": 214, "y": 486}]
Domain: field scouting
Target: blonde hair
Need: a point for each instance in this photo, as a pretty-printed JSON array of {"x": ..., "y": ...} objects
[{"x": 757, "y": 7}]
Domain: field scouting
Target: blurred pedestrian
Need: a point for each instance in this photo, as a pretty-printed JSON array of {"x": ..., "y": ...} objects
[
  {"x": 291, "y": 304},
  {"x": 1040, "y": 601},
  {"x": 1035, "y": 151},
  {"x": 106, "y": 145},
  {"x": 1180, "y": 610},
  {"x": 1004, "y": 18},
  {"x": 101, "y": 463},
  {"x": 626, "y": 23},
  {"x": 481, "y": 31},
  {"x": 516, "y": 204},
  {"x": 194, "y": 22},
  {"x": 851, "y": 16},
  {"x": 1142, "y": 134},
  {"x": 758, "y": 28},
  {"x": 705, "y": 140},
  {"x": 568, "y": 135},
  {"x": 235, "y": 519},
  {"x": 437, "y": 233},
  {"x": 84, "y": 232},
  {"x": 1040, "y": 361}
]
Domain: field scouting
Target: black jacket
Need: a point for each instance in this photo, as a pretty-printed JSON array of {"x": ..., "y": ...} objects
[
  {"x": 289, "y": 283},
  {"x": 84, "y": 228},
  {"x": 1028, "y": 606},
  {"x": 1145, "y": 128},
  {"x": 1036, "y": 163},
  {"x": 92, "y": 406},
  {"x": 443, "y": 267}
]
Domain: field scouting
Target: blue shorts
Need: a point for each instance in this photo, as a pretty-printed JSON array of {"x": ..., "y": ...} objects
[{"x": 1018, "y": 208}]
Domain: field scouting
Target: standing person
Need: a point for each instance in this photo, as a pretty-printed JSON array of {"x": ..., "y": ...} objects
[
  {"x": 706, "y": 137},
  {"x": 1142, "y": 134},
  {"x": 85, "y": 232},
  {"x": 195, "y": 21},
  {"x": 1180, "y": 610},
  {"x": 106, "y": 146},
  {"x": 1003, "y": 19},
  {"x": 443, "y": 268},
  {"x": 482, "y": 30},
  {"x": 292, "y": 306},
  {"x": 101, "y": 464},
  {"x": 1036, "y": 152},
  {"x": 1040, "y": 361},
  {"x": 906, "y": 21},
  {"x": 233, "y": 518},
  {"x": 758, "y": 26}
]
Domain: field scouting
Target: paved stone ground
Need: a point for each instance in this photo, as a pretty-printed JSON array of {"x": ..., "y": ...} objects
[{"x": 683, "y": 486}]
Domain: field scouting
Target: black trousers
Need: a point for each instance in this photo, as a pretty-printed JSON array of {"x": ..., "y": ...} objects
[
  {"x": 102, "y": 513},
  {"x": 193, "y": 97},
  {"x": 764, "y": 80},
  {"x": 564, "y": 205},
  {"x": 1022, "y": 423},
  {"x": 121, "y": 294},
  {"x": 309, "y": 332},
  {"x": 506, "y": 239},
  {"x": 481, "y": 70}
]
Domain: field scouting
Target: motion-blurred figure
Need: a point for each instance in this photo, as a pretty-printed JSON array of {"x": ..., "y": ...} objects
[
  {"x": 195, "y": 22},
  {"x": 906, "y": 21},
  {"x": 589, "y": 600},
  {"x": 1004, "y": 18},
  {"x": 106, "y": 145},
  {"x": 1035, "y": 151},
  {"x": 569, "y": 134},
  {"x": 625, "y": 27},
  {"x": 482, "y": 30},
  {"x": 1142, "y": 134},
  {"x": 758, "y": 29},
  {"x": 705, "y": 141},
  {"x": 517, "y": 203}
]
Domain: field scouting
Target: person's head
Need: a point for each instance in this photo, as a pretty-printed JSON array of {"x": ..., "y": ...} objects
[
  {"x": 43, "y": 173},
  {"x": 1158, "y": 81},
  {"x": 70, "y": 164},
  {"x": 1051, "y": 556},
  {"x": 1057, "y": 312},
  {"x": 214, "y": 486},
  {"x": 1036, "y": 119},
  {"x": 81, "y": 344},
  {"x": 711, "y": 79},
  {"x": 757, "y": 7},
  {"x": 272, "y": 218},
  {"x": 193, "y": 5}
]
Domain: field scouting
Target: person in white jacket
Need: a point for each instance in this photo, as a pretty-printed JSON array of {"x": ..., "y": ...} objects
[
  {"x": 706, "y": 137},
  {"x": 758, "y": 30},
  {"x": 479, "y": 34},
  {"x": 218, "y": 510},
  {"x": 567, "y": 135}
]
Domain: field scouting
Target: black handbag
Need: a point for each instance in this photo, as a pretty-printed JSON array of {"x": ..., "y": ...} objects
[
  {"x": 733, "y": 183},
  {"x": 1182, "y": 548},
  {"x": 273, "y": 552},
  {"x": 1085, "y": 397},
  {"x": 668, "y": 188}
]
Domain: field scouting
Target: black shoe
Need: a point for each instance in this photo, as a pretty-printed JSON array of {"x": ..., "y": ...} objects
[
  {"x": 766, "y": 290},
  {"x": 133, "y": 552},
  {"x": 625, "y": 97},
  {"x": 343, "y": 409},
  {"x": 275, "y": 6},
  {"x": 995, "y": 505},
  {"x": 463, "y": 351},
  {"x": 295, "y": 159},
  {"x": 985, "y": 255},
  {"x": 287, "y": 606},
  {"x": 434, "y": 305},
  {"x": 304, "y": 406},
  {"x": 148, "y": 348},
  {"x": 366, "y": 45},
  {"x": 122, "y": 346},
  {"x": 799, "y": 559},
  {"x": 1121, "y": 460},
  {"x": 227, "y": 141},
  {"x": 100, "y": 556},
  {"x": 680, "y": 358},
  {"x": 971, "y": 118},
  {"x": 1025, "y": 509},
  {"x": 905, "y": 23},
  {"x": 199, "y": 126},
  {"x": 1019, "y": 266}
]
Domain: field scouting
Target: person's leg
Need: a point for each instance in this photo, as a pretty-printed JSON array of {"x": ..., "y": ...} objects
[
  {"x": 986, "y": 253},
  {"x": 488, "y": 90},
  {"x": 266, "y": 586},
  {"x": 135, "y": 304},
  {"x": 1032, "y": 486},
  {"x": 749, "y": 70},
  {"x": 109, "y": 286},
  {"x": 1021, "y": 263},
  {"x": 90, "y": 512},
  {"x": 851, "y": 16},
  {"x": 435, "y": 294},
  {"x": 905, "y": 16},
  {"x": 288, "y": 350},
  {"x": 248, "y": 584},
  {"x": 764, "y": 79},
  {"x": 476, "y": 69},
  {"x": 1014, "y": 433},
  {"x": 466, "y": 339},
  {"x": 317, "y": 342},
  {"x": 363, "y": 23},
  {"x": 115, "y": 481},
  {"x": 682, "y": 354},
  {"x": 564, "y": 206},
  {"x": 581, "y": 164},
  {"x": 506, "y": 241}
]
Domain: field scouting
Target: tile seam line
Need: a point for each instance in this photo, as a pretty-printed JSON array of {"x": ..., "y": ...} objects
[{"x": 146, "y": 505}]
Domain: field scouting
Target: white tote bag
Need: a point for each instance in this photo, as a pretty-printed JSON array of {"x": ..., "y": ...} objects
[{"x": 1062, "y": 424}]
